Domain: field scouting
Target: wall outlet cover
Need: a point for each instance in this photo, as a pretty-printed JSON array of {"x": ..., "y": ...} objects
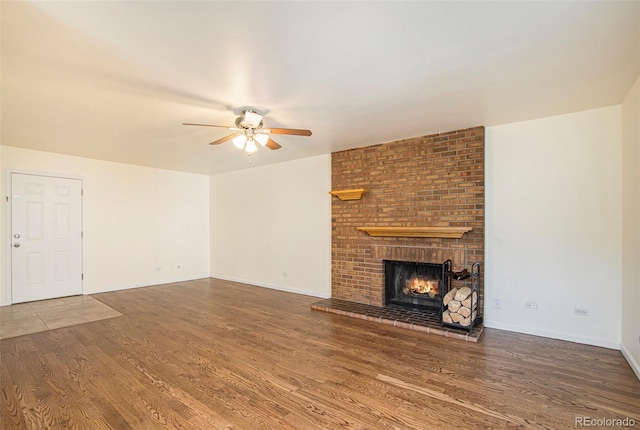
[{"x": 581, "y": 312}]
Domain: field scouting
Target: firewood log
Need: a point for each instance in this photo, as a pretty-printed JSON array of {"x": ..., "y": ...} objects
[
  {"x": 446, "y": 317},
  {"x": 454, "y": 305},
  {"x": 449, "y": 296},
  {"x": 467, "y": 302},
  {"x": 456, "y": 317},
  {"x": 464, "y": 311},
  {"x": 465, "y": 322},
  {"x": 462, "y": 293}
]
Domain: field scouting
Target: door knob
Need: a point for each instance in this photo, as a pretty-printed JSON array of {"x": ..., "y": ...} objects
[{"x": 16, "y": 245}]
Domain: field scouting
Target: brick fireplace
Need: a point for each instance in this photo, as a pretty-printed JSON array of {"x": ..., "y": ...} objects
[{"x": 430, "y": 181}]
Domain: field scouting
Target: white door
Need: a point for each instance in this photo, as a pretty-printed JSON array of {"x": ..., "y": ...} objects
[{"x": 46, "y": 237}]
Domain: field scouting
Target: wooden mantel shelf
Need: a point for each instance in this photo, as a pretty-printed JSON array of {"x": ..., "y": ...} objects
[
  {"x": 352, "y": 194},
  {"x": 438, "y": 232}
]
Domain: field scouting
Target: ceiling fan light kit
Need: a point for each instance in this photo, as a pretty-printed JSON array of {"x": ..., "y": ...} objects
[
  {"x": 251, "y": 147},
  {"x": 262, "y": 138},
  {"x": 249, "y": 130},
  {"x": 239, "y": 141}
]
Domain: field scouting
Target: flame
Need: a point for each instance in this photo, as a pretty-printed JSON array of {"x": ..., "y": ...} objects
[{"x": 420, "y": 285}]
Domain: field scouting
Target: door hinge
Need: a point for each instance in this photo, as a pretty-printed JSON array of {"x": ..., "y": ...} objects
[
  {"x": 82, "y": 234},
  {"x": 82, "y": 191},
  {"x": 7, "y": 198},
  {"x": 82, "y": 276}
]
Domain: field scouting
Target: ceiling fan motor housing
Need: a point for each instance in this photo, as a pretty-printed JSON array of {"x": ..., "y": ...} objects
[{"x": 249, "y": 120}]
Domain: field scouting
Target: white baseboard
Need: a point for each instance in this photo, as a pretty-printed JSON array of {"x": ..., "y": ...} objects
[
  {"x": 635, "y": 366},
  {"x": 144, "y": 284},
  {"x": 318, "y": 294},
  {"x": 553, "y": 335}
]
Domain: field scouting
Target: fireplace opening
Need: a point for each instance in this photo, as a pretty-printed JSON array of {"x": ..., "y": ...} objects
[{"x": 416, "y": 285}]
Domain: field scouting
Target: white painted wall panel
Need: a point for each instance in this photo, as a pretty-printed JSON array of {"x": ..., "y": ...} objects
[
  {"x": 553, "y": 236},
  {"x": 631, "y": 227},
  {"x": 271, "y": 226}
]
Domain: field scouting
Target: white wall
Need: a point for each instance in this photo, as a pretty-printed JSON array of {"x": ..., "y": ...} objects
[
  {"x": 630, "y": 344},
  {"x": 553, "y": 237},
  {"x": 3, "y": 242},
  {"x": 274, "y": 219},
  {"x": 136, "y": 219}
]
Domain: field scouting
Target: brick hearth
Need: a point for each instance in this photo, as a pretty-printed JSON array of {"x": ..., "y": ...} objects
[{"x": 397, "y": 317}]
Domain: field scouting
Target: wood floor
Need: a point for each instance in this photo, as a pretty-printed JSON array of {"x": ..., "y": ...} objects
[{"x": 212, "y": 354}]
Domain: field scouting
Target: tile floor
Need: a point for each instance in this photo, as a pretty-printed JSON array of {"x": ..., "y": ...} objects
[{"x": 33, "y": 317}]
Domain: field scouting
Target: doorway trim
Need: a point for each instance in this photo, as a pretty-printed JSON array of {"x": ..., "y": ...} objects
[{"x": 7, "y": 297}]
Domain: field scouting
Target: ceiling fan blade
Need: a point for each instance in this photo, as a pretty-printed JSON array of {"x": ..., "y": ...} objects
[
  {"x": 293, "y": 131},
  {"x": 223, "y": 140},
  {"x": 206, "y": 125},
  {"x": 272, "y": 144}
]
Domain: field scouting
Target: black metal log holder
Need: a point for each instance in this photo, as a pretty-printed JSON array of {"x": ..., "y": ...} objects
[
  {"x": 474, "y": 279},
  {"x": 446, "y": 281}
]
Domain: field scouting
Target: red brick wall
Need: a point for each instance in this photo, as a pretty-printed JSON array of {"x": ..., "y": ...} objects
[{"x": 435, "y": 180}]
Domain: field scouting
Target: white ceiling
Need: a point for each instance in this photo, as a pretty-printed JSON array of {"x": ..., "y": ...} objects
[{"x": 115, "y": 80}]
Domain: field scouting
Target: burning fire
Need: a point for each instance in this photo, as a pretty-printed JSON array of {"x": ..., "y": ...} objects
[{"x": 420, "y": 285}]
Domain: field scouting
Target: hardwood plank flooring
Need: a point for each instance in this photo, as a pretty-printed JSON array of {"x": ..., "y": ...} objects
[{"x": 212, "y": 354}]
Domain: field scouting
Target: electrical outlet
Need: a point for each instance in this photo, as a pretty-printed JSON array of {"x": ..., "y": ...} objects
[
  {"x": 531, "y": 305},
  {"x": 285, "y": 274},
  {"x": 581, "y": 312},
  {"x": 158, "y": 269},
  {"x": 497, "y": 304},
  {"x": 178, "y": 267}
]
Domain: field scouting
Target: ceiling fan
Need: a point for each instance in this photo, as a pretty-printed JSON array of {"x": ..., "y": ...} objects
[{"x": 249, "y": 129}]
